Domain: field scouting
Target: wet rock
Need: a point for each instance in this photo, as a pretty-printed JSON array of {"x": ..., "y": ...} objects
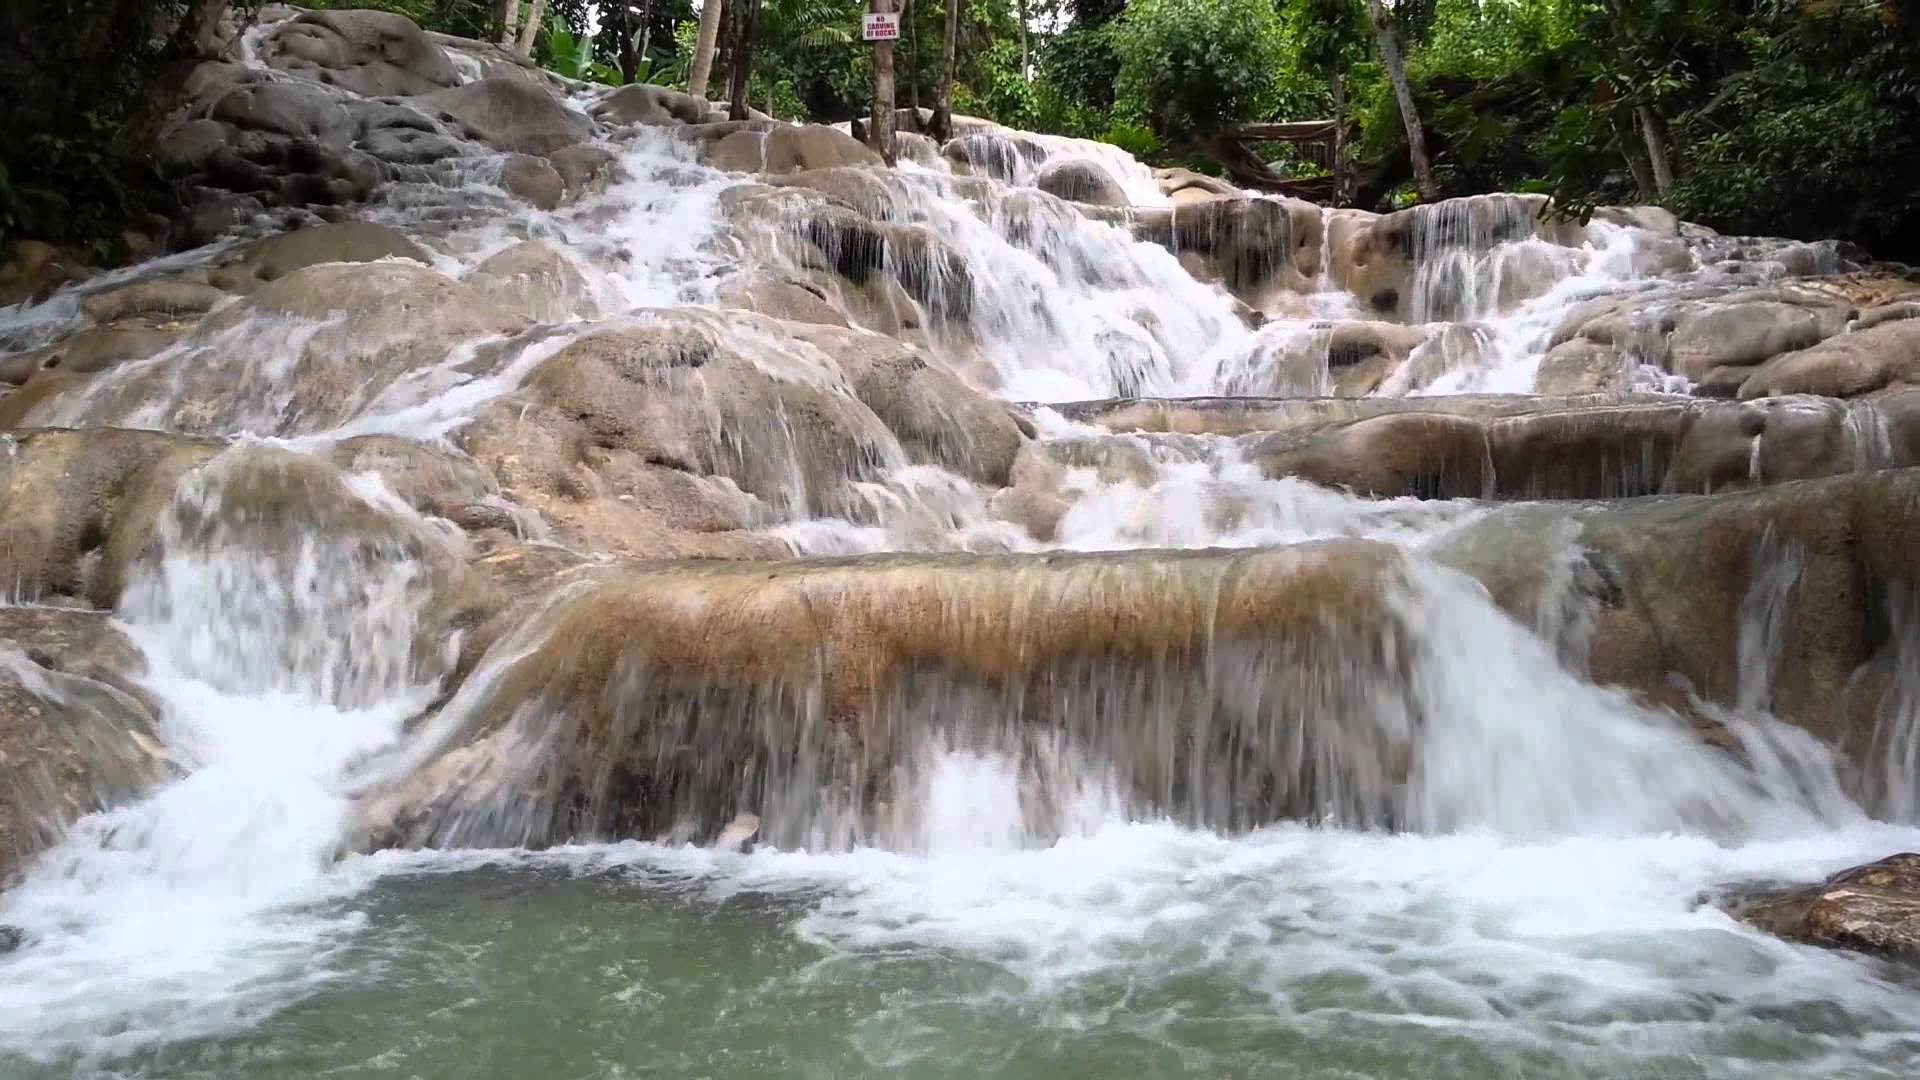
[
  {"x": 351, "y": 337},
  {"x": 11, "y": 938},
  {"x": 1883, "y": 357},
  {"x": 1834, "y": 556},
  {"x": 98, "y": 348},
  {"x": 784, "y": 150},
  {"x": 371, "y": 53},
  {"x": 510, "y": 115},
  {"x": 1424, "y": 455},
  {"x": 77, "y": 506},
  {"x": 76, "y": 736},
  {"x": 167, "y": 296},
  {"x": 1254, "y": 247},
  {"x": 1745, "y": 334},
  {"x": 533, "y": 180},
  {"x": 834, "y": 667},
  {"x": 583, "y": 168},
  {"x": 1179, "y": 183},
  {"x": 1082, "y": 182},
  {"x": 534, "y": 279},
  {"x": 938, "y": 419},
  {"x": 285, "y": 253},
  {"x": 715, "y": 397},
  {"x": 788, "y": 297},
  {"x": 1872, "y": 908},
  {"x": 998, "y": 153},
  {"x": 34, "y": 269},
  {"x": 643, "y": 103}
]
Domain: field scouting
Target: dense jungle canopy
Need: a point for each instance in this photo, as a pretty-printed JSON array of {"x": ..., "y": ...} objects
[{"x": 1794, "y": 117}]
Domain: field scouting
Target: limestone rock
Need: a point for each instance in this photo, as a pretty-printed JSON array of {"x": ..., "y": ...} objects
[
  {"x": 1082, "y": 182},
  {"x": 1579, "y": 367},
  {"x": 34, "y": 269},
  {"x": 1255, "y": 247},
  {"x": 839, "y": 664},
  {"x": 1872, "y": 908},
  {"x": 277, "y": 256},
  {"x": 784, "y": 150},
  {"x": 582, "y": 168},
  {"x": 1744, "y": 334},
  {"x": 353, "y": 337},
  {"x": 77, "y": 506},
  {"x": 510, "y": 115},
  {"x": 166, "y": 296},
  {"x": 642, "y": 103},
  {"x": 1862, "y": 362},
  {"x": 533, "y": 180},
  {"x": 371, "y": 53},
  {"x": 76, "y": 736},
  {"x": 536, "y": 280},
  {"x": 937, "y": 418}
]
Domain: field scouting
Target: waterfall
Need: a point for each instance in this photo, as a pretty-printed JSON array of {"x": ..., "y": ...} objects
[{"x": 1222, "y": 592}]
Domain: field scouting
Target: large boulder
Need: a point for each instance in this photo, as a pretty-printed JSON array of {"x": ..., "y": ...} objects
[
  {"x": 1255, "y": 247},
  {"x": 1744, "y": 334},
  {"x": 1082, "y": 181},
  {"x": 1883, "y": 357},
  {"x": 77, "y": 507},
  {"x": 534, "y": 279},
  {"x": 372, "y": 53},
  {"x": 34, "y": 269},
  {"x": 708, "y": 396},
  {"x": 938, "y": 419},
  {"x": 1873, "y": 908},
  {"x": 303, "y": 353},
  {"x": 644, "y": 103},
  {"x": 276, "y": 256},
  {"x": 1779, "y": 598},
  {"x": 844, "y": 670},
  {"x": 511, "y": 115},
  {"x": 76, "y": 733},
  {"x": 784, "y": 149}
]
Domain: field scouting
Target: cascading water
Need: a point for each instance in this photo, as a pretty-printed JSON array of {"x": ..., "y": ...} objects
[{"x": 1131, "y": 753}]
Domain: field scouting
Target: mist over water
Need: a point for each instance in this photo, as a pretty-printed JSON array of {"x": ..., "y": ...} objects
[{"x": 1495, "y": 867}]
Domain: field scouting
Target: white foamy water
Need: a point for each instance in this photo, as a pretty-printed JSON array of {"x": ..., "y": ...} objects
[
  {"x": 1556, "y": 838},
  {"x": 278, "y": 658}
]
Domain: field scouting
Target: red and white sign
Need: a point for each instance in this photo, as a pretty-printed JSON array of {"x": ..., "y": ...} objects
[{"x": 880, "y": 27}]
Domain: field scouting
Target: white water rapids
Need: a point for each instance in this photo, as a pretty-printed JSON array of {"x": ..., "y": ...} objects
[{"x": 1547, "y": 894}]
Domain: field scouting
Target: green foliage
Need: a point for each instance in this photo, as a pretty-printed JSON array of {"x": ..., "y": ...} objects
[
  {"x": 562, "y": 53},
  {"x": 1192, "y": 67},
  {"x": 81, "y": 84},
  {"x": 1135, "y": 139}
]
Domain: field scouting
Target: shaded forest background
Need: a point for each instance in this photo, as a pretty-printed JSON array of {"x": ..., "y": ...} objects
[{"x": 1780, "y": 117}]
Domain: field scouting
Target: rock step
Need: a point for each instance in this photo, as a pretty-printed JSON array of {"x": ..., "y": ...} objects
[{"x": 660, "y": 693}]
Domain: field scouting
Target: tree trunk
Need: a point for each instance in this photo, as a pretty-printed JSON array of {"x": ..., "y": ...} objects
[
  {"x": 913, "y": 60},
  {"x": 746, "y": 28},
  {"x": 880, "y": 129},
  {"x": 623, "y": 26},
  {"x": 536, "y": 11},
  {"x": 1026, "y": 57},
  {"x": 508, "y": 14},
  {"x": 1337, "y": 84},
  {"x": 703, "y": 48},
  {"x": 1654, "y": 131},
  {"x": 943, "y": 103},
  {"x": 1389, "y": 39}
]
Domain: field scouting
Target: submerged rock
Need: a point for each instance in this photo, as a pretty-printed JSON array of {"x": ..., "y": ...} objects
[{"x": 1872, "y": 908}]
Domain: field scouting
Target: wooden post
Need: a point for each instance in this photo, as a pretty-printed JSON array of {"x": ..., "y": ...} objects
[{"x": 880, "y": 124}]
